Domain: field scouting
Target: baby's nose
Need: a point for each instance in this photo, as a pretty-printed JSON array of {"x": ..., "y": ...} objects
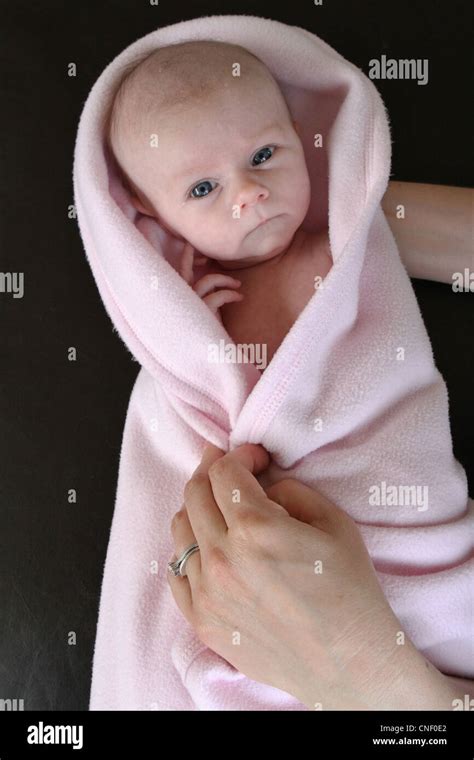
[{"x": 251, "y": 193}]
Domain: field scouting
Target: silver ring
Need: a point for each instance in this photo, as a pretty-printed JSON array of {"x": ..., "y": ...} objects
[{"x": 178, "y": 566}]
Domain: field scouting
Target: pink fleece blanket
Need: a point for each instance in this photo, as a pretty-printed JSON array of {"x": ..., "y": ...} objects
[{"x": 351, "y": 404}]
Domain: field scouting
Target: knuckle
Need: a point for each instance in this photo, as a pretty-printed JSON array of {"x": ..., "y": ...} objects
[
  {"x": 217, "y": 468},
  {"x": 250, "y": 524},
  {"x": 194, "y": 485},
  {"x": 177, "y": 519},
  {"x": 217, "y": 562},
  {"x": 208, "y": 280}
]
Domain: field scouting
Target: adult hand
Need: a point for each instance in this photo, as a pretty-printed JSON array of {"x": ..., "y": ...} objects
[{"x": 283, "y": 587}]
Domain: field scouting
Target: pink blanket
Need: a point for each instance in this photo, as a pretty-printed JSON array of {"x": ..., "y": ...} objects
[{"x": 351, "y": 404}]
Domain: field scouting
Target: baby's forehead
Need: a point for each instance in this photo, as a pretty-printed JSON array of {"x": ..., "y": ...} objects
[
  {"x": 197, "y": 76},
  {"x": 195, "y": 67}
]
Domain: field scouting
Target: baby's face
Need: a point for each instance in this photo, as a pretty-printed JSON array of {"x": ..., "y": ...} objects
[{"x": 229, "y": 176}]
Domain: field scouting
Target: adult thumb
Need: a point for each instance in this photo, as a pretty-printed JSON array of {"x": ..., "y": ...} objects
[{"x": 304, "y": 503}]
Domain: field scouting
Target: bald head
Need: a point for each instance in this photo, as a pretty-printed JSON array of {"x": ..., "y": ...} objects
[{"x": 166, "y": 83}]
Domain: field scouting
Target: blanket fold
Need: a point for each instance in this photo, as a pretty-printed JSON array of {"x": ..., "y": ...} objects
[{"x": 351, "y": 403}]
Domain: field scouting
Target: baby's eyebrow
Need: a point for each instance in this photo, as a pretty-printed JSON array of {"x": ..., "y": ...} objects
[{"x": 196, "y": 170}]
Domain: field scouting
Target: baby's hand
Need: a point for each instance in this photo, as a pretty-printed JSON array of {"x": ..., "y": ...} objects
[{"x": 206, "y": 284}]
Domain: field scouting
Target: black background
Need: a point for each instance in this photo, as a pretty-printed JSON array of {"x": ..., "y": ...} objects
[{"x": 62, "y": 421}]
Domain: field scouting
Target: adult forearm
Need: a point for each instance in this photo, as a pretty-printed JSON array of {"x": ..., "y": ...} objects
[{"x": 433, "y": 226}]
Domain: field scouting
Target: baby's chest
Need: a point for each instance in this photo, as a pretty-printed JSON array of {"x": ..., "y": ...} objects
[{"x": 272, "y": 303}]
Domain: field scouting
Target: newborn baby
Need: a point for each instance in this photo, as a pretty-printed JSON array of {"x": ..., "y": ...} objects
[{"x": 207, "y": 146}]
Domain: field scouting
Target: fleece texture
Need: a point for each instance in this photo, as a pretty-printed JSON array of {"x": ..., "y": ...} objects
[{"x": 351, "y": 403}]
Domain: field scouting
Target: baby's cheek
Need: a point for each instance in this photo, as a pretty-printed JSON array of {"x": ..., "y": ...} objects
[{"x": 216, "y": 240}]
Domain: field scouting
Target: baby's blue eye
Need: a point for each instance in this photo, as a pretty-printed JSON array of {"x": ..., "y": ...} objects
[
  {"x": 199, "y": 188},
  {"x": 264, "y": 151}
]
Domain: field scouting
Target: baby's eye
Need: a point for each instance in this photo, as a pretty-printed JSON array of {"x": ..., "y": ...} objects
[
  {"x": 201, "y": 189},
  {"x": 264, "y": 152}
]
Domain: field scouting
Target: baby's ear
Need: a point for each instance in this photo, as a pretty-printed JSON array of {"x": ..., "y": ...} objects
[{"x": 136, "y": 202}]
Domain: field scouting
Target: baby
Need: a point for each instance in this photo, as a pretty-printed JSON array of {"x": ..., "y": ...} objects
[{"x": 207, "y": 146}]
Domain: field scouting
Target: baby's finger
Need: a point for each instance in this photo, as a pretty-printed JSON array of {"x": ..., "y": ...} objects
[
  {"x": 211, "y": 281},
  {"x": 218, "y": 299},
  {"x": 187, "y": 261}
]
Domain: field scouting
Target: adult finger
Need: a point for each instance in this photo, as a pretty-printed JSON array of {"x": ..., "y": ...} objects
[
  {"x": 182, "y": 586},
  {"x": 305, "y": 504},
  {"x": 234, "y": 485},
  {"x": 206, "y": 519},
  {"x": 183, "y": 538}
]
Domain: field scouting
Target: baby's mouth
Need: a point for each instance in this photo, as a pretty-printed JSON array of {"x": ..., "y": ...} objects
[{"x": 265, "y": 221}]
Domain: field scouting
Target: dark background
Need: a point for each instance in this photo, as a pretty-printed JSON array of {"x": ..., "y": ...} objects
[{"x": 62, "y": 421}]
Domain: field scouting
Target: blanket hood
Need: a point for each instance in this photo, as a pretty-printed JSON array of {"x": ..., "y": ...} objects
[{"x": 134, "y": 260}]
